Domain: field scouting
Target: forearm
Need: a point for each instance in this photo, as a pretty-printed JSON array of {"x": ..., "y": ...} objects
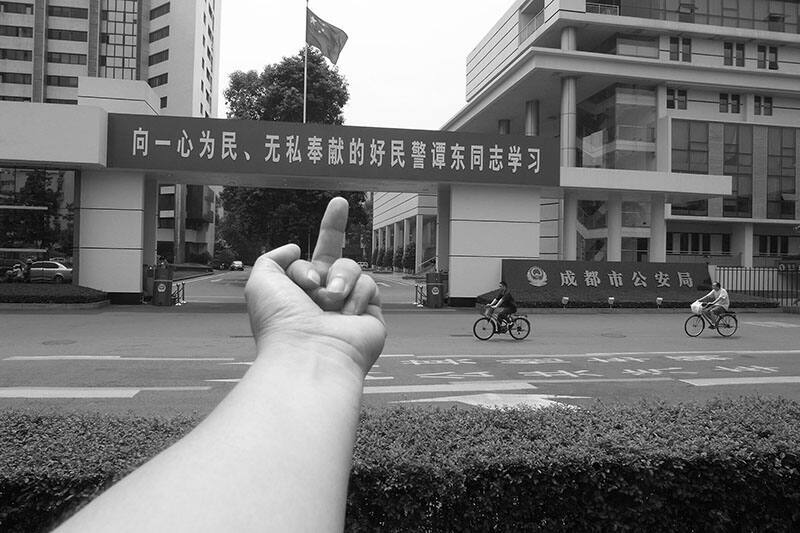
[{"x": 233, "y": 459}]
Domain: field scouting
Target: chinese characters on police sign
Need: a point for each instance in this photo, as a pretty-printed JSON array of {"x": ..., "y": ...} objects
[
  {"x": 286, "y": 149},
  {"x": 316, "y": 150}
]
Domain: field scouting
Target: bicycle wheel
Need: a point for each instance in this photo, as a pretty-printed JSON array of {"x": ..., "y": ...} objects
[
  {"x": 483, "y": 329},
  {"x": 727, "y": 325},
  {"x": 694, "y": 325},
  {"x": 520, "y": 328}
]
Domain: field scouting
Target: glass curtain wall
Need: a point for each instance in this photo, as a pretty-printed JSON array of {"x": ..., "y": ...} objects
[
  {"x": 118, "y": 34},
  {"x": 36, "y": 213}
]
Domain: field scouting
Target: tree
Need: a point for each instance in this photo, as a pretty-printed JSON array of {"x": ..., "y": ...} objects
[{"x": 259, "y": 219}]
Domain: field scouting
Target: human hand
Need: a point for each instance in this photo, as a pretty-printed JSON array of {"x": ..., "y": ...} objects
[{"x": 323, "y": 306}]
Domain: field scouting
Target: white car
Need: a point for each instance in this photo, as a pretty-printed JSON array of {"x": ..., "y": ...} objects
[
  {"x": 364, "y": 265},
  {"x": 50, "y": 272},
  {"x": 237, "y": 265}
]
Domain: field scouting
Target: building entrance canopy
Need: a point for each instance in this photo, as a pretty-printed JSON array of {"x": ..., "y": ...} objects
[{"x": 279, "y": 154}]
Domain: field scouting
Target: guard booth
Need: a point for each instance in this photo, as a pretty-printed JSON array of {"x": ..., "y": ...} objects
[{"x": 162, "y": 285}]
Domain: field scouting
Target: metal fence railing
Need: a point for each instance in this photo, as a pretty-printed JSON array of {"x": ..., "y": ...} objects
[{"x": 781, "y": 284}]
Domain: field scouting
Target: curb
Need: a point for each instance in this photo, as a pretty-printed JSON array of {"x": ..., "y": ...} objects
[{"x": 54, "y": 306}]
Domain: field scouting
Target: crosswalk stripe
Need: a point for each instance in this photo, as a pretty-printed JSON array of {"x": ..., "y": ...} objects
[{"x": 771, "y": 380}]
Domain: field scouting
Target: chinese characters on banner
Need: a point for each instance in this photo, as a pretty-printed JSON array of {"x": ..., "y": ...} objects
[
  {"x": 286, "y": 149},
  {"x": 576, "y": 279}
]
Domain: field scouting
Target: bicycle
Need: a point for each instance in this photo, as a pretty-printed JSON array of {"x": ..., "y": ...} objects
[
  {"x": 515, "y": 325},
  {"x": 726, "y": 324}
]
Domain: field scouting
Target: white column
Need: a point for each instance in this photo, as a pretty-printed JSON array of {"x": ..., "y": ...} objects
[
  {"x": 480, "y": 240},
  {"x": 110, "y": 233},
  {"x": 570, "y": 238},
  {"x": 568, "y": 104},
  {"x": 419, "y": 246},
  {"x": 406, "y": 232},
  {"x": 742, "y": 243},
  {"x": 658, "y": 230},
  {"x": 614, "y": 219}
]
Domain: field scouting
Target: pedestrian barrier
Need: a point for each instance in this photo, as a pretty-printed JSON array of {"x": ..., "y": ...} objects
[
  {"x": 179, "y": 294},
  {"x": 419, "y": 294},
  {"x": 781, "y": 283}
]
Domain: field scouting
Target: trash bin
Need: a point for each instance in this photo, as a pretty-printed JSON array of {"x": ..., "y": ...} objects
[
  {"x": 162, "y": 285},
  {"x": 148, "y": 274},
  {"x": 434, "y": 290}
]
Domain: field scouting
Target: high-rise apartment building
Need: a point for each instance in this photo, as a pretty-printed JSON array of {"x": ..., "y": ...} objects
[
  {"x": 655, "y": 103},
  {"x": 46, "y": 46}
]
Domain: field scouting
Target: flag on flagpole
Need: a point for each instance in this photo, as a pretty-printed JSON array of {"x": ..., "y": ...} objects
[{"x": 326, "y": 37}]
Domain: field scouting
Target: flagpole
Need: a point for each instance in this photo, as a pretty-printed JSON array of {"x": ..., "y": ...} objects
[{"x": 305, "y": 70}]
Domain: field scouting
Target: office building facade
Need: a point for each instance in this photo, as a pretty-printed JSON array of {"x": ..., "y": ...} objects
[
  {"x": 48, "y": 46},
  {"x": 653, "y": 102}
]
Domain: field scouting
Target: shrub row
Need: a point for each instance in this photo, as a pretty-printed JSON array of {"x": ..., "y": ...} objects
[
  {"x": 727, "y": 465},
  {"x": 42, "y": 293}
]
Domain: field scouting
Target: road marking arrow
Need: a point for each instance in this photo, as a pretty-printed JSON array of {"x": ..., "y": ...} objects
[{"x": 499, "y": 401}]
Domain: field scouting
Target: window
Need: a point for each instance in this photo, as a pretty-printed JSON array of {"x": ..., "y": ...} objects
[
  {"x": 767, "y": 57},
  {"x": 16, "y": 7},
  {"x": 676, "y": 98},
  {"x": 159, "y": 57},
  {"x": 68, "y": 12},
  {"x": 159, "y": 34},
  {"x": 680, "y": 49},
  {"x": 729, "y": 103},
  {"x": 61, "y": 101},
  {"x": 15, "y": 77},
  {"x": 14, "y": 98},
  {"x": 686, "y": 11},
  {"x": 733, "y": 54},
  {"x": 70, "y": 59},
  {"x": 16, "y": 31},
  {"x": 737, "y": 155},
  {"x": 62, "y": 81},
  {"x": 156, "y": 12},
  {"x": 166, "y": 223},
  {"x": 762, "y": 105},
  {"x": 157, "y": 81},
  {"x": 163, "y": 102},
  {"x": 773, "y": 245},
  {"x": 67, "y": 35},
  {"x": 690, "y": 146},
  {"x": 16, "y": 55},
  {"x": 780, "y": 173}
]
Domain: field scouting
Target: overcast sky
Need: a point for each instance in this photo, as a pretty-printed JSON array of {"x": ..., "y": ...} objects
[{"x": 404, "y": 60}]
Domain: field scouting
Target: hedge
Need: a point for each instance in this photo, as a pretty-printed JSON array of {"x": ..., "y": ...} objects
[
  {"x": 725, "y": 465},
  {"x": 48, "y": 293}
]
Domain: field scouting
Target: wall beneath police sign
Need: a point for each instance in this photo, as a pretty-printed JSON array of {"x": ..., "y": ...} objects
[{"x": 540, "y": 282}]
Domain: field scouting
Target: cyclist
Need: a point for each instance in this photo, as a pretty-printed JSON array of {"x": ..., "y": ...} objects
[
  {"x": 715, "y": 303},
  {"x": 503, "y": 305}
]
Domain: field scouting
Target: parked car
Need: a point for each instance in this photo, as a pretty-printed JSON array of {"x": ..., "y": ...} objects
[
  {"x": 50, "y": 272},
  {"x": 237, "y": 265},
  {"x": 364, "y": 265}
]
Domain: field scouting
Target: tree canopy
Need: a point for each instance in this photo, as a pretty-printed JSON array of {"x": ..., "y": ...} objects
[{"x": 260, "y": 219}]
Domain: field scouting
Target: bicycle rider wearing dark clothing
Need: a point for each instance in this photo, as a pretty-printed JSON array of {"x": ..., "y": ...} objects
[{"x": 503, "y": 303}]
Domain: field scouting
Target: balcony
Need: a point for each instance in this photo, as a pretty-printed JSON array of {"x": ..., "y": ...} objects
[{"x": 602, "y": 9}]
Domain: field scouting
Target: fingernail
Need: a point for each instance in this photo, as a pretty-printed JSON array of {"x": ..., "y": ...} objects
[
  {"x": 336, "y": 285},
  {"x": 313, "y": 277}
]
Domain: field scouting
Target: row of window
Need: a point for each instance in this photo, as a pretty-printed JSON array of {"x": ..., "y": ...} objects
[
  {"x": 16, "y": 55},
  {"x": 68, "y": 35},
  {"x": 22, "y": 78},
  {"x": 680, "y": 49},
  {"x": 700, "y": 243},
  {"x": 158, "y": 57},
  {"x": 156, "y": 12},
  {"x": 16, "y": 7},
  {"x": 157, "y": 81},
  {"x": 159, "y": 34},
  {"x": 68, "y": 12},
  {"x": 15, "y": 31},
  {"x": 728, "y": 103}
]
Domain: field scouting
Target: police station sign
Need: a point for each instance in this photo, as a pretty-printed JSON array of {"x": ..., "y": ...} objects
[
  {"x": 529, "y": 280},
  {"x": 284, "y": 149}
]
